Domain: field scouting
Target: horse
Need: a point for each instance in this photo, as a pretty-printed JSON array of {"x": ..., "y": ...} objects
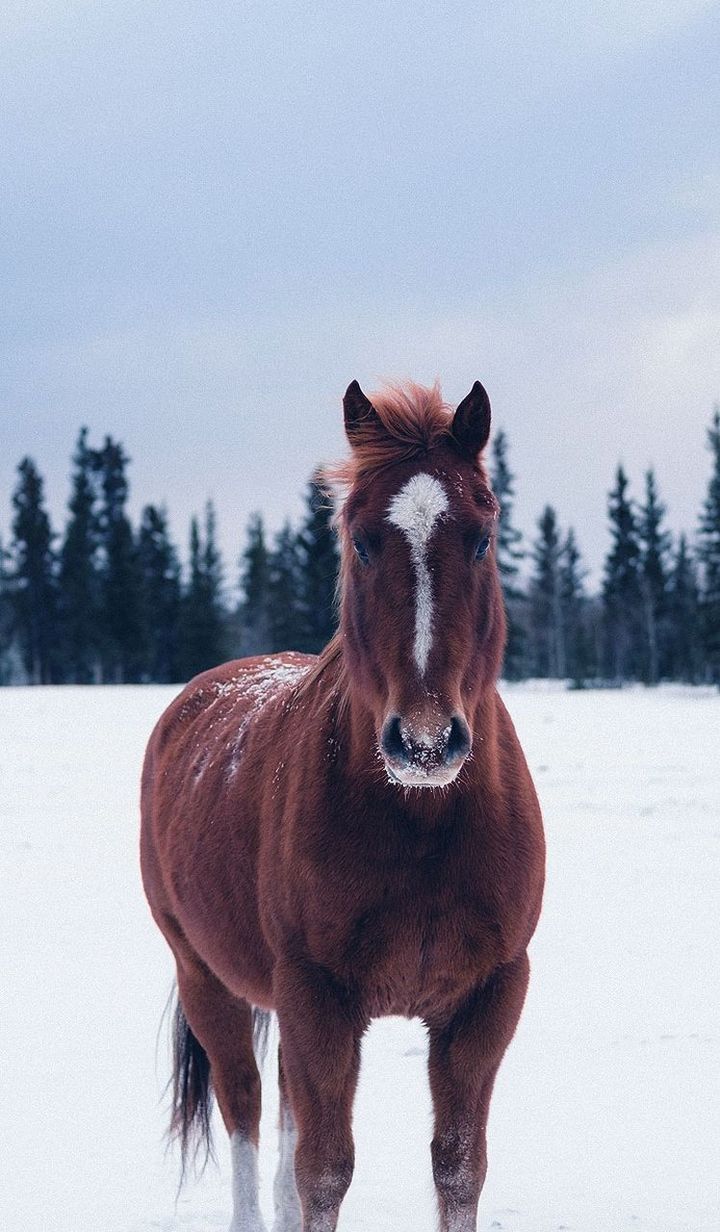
[{"x": 340, "y": 837}]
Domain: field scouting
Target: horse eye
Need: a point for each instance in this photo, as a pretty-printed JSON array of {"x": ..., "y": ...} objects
[
  {"x": 361, "y": 551},
  {"x": 482, "y": 548}
]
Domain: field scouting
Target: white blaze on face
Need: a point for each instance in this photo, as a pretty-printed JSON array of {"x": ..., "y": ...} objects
[{"x": 415, "y": 510}]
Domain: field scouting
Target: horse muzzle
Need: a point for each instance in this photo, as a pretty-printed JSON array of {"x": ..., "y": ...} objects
[{"x": 422, "y": 754}]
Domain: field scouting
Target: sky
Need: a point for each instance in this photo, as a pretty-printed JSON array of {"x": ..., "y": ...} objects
[{"x": 215, "y": 216}]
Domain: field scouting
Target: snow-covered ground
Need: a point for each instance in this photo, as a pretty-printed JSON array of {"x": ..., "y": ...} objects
[{"x": 606, "y": 1115}]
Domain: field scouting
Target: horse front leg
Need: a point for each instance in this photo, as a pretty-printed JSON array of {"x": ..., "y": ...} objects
[
  {"x": 320, "y": 1030},
  {"x": 288, "y": 1214},
  {"x": 465, "y": 1052}
]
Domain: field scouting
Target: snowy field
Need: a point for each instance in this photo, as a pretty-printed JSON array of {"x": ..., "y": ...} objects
[{"x": 606, "y": 1116}]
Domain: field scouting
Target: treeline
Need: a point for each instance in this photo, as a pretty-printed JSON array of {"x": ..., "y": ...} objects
[
  {"x": 657, "y": 614},
  {"x": 109, "y": 602}
]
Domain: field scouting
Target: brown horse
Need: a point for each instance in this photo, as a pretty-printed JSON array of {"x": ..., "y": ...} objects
[{"x": 357, "y": 834}]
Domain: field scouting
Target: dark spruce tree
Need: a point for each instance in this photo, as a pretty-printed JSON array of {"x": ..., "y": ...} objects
[
  {"x": 121, "y": 627},
  {"x": 255, "y": 637},
  {"x": 573, "y": 603},
  {"x": 285, "y": 592},
  {"x": 319, "y": 561},
  {"x": 546, "y": 608},
  {"x": 654, "y": 554},
  {"x": 79, "y": 571},
  {"x": 708, "y": 553},
  {"x": 212, "y": 567},
  {"x": 192, "y": 641},
  {"x": 622, "y": 597},
  {"x": 7, "y": 623},
  {"x": 33, "y": 579},
  {"x": 509, "y": 555},
  {"x": 159, "y": 570},
  {"x": 508, "y": 550},
  {"x": 202, "y": 616},
  {"x": 685, "y": 652}
]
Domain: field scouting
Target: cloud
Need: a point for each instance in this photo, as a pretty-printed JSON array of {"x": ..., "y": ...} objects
[
  {"x": 214, "y": 223},
  {"x": 20, "y": 17},
  {"x": 615, "y": 25},
  {"x": 583, "y": 370}
]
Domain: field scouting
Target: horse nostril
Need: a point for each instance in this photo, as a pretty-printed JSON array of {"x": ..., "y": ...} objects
[
  {"x": 459, "y": 741},
  {"x": 391, "y": 741}
]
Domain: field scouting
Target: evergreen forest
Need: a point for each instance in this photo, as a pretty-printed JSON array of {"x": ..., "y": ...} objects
[{"x": 106, "y": 601}]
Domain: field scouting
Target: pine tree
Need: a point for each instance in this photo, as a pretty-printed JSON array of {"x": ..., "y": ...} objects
[
  {"x": 213, "y": 569},
  {"x": 508, "y": 550},
  {"x": 573, "y": 604},
  {"x": 192, "y": 653},
  {"x": 79, "y": 571},
  {"x": 509, "y": 554},
  {"x": 285, "y": 592},
  {"x": 6, "y": 618},
  {"x": 254, "y": 573},
  {"x": 654, "y": 549},
  {"x": 622, "y": 598},
  {"x": 685, "y": 639},
  {"x": 708, "y": 552},
  {"x": 319, "y": 560},
  {"x": 160, "y": 596},
  {"x": 202, "y": 624},
  {"x": 120, "y": 618},
  {"x": 546, "y": 612},
  {"x": 34, "y": 582}
]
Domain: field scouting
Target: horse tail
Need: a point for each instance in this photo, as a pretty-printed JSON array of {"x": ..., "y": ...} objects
[
  {"x": 192, "y": 1098},
  {"x": 192, "y": 1095}
]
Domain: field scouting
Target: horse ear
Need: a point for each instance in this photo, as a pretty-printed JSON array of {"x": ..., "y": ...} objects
[
  {"x": 360, "y": 414},
  {"x": 471, "y": 422}
]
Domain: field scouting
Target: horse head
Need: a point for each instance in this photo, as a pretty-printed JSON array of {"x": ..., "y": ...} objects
[{"x": 422, "y": 620}]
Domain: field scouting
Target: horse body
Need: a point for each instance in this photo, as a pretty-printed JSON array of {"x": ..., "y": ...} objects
[{"x": 351, "y": 836}]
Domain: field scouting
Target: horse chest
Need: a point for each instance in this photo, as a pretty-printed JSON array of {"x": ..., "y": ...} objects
[
  {"x": 407, "y": 961},
  {"x": 414, "y": 946}
]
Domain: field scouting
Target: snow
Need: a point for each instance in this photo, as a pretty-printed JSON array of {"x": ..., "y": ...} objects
[
  {"x": 606, "y": 1114},
  {"x": 268, "y": 679}
]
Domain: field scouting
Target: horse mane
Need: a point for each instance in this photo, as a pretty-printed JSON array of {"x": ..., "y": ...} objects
[
  {"x": 413, "y": 419},
  {"x": 331, "y": 656}
]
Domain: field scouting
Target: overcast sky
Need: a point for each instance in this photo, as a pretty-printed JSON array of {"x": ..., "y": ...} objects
[{"x": 215, "y": 215}]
